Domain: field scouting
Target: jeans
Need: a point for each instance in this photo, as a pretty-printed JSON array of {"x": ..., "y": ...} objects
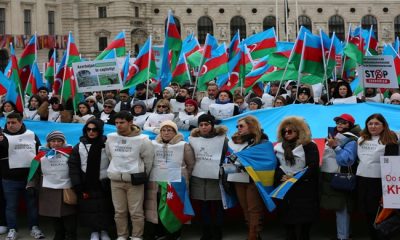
[
  {"x": 343, "y": 223},
  {"x": 12, "y": 191}
]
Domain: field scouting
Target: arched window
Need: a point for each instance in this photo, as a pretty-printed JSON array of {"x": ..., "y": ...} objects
[
  {"x": 336, "y": 24},
  {"x": 178, "y": 24},
  {"x": 305, "y": 22},
  {"x": 369, "y": 20},
  {"x": 204, "y": 26},
  {"x": 238, "y": 23},
  {"x": 269, "y": 22},
  {"x": 397, "y": 26}
]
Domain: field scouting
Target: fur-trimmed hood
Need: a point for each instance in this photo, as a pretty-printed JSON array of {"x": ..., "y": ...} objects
[
  {"x": 217, "y": 131},
  {"x": 298, "y": 124},
  {"x": 178, "y": 137}
]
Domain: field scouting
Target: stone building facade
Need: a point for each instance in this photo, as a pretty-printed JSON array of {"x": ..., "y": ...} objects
[{"x": 94, "y": 23}]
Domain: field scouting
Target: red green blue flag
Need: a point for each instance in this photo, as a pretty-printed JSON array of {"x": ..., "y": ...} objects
[
  {"x": 214, "y": 66},
  {"x": 312, "y": 58},
  {"x": 295, "y": 56},
  {"x": 14, "y": 93},
  {"x": 262, "y": 44},
  {"x": 117, "y": 45},
  {"x": 35, "y": 81},
  {"x": 50, "y": 70},
  {"x": 181, "y": 74},
  {"x": 390, "y": 51},
  {"x": 190, "y": 45}
]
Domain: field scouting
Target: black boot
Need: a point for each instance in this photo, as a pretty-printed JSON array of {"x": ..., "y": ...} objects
[
  {"x": 217, "y": 232},
  {"x": 207, "y": 233}
]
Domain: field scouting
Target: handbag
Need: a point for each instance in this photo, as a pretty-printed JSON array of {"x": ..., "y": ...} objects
[
  {"x": 344, "y": 181},
  {"x": 387, "y": 222},
  {"x": 69, "y": 196},
  {"x": 138, "y": 178}
]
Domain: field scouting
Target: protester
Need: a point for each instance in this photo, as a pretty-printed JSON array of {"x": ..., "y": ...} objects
[
  {"x": 178, "y": 104},
  {"x": 14, "y": 173},
  {"x": 108, "y": 114},
  {"x": 249, "y": 134},
  {"x": 268, "y": 97},
  {"x": 343, "y": 94},
  {"x": 95, "y": 107},
  {"x": 88, "y": 172},
  {"x": 255, "y": 104},
  {"x": 223, "y": 106},
  {"x": 31, "y": 110},
  {"x": 142, "y": 94},
  {"x": 295, "y": 151},
  {"x": 124, "y": 103},
  {"x": 212, "y": 93},
  {"x": 173, "y": 162},
  {"x": 304, "y": 95},
  {"x": 168, "y": 93},
  {"x": 43, "y": 93},
  {"x": 50, "y": 180},
  {"x": 372, "y": 95},
  {"x": 7, "y": 108},
  {"x": 54, "y": 110},
  {"x": 241, "y": 103},
  {"x": 131, "y": 158},
  {"x": 279, "y": 101},
  {"x": 162, "y": 113},
  {"x": 210, "y": 145},
  {"x": 83, "y": 114},
  {"x": 187, "y": 119},
  {"x": 376, "y": 140},
  {"x": 395, "y": 99},
  {"x": 139, "y": 113},
  {"x": 340, "y": 155}
]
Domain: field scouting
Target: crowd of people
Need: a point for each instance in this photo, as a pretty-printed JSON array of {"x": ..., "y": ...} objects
[{"x": 117, "y": 177}]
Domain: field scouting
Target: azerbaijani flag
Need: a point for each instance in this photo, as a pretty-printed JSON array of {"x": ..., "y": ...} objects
[
  {"x": 190, "y": 45},
  {"x": 181, "y": 73},
  {"x": 390, "y": 51},
  {"x": 4, "y": 84},
  {"x": 125, "y": 68},
  {"x": 234, "y": 47},
  {"x": 50, "y": 70},
  {"x": 66, "y": 151},
  {"x": 262, "y": 44},
  {"x": 28, "y": 56},
  {"x": 354, "y": 49},
  {"x": 14, "y": 93},
  {"x": 281, "y": 57},
  {"x": 312, "y": 59},
  {"x": 214, "y": 66},
  {"x": 174, "y": 208},
  {"x": 258, "y": 71},
  {"x": 295, "y": 56},
  {"x": 117, "y": 45},
  {"x": 35, "y": 80},
  {"x": 72, "y": 51},
  {"x": 328, "y": 47},
  {"x": 144, "y": 67}
]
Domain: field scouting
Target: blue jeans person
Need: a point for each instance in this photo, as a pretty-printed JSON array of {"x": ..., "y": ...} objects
[
  {"x": 343, "y": 223},
  {"x": 12, "y": 192}
]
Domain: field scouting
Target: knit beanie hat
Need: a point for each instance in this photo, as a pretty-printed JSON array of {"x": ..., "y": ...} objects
[
  {"x": 206, "y": 118},
  {"x": 169, "y": 123},
  {"x": 257, "y": 101},
  {"x": 395, "y": 96},
  {"x": 55, "y": 135},
  {"x": 170, "y": 90}
]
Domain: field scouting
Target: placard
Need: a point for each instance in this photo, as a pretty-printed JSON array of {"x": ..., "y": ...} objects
[
  {"x": 378, "y": 72},
  {"x": 97, "y": 75},
  {"x": 390, "y": 169}
]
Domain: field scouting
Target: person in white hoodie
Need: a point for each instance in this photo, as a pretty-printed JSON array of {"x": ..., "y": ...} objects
[
  {"x": 375, "y": 140},
  {"x": 131, "y": 157}
]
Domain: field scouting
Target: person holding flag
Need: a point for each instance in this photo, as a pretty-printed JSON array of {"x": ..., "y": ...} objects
[
  {"x": 340, "y": 155},
  {"x": 295, "y": 151},
  {"x": 254, "y": 157},
  {"x": 167, "y": 193},
  {"x": 49, "y": 174}
]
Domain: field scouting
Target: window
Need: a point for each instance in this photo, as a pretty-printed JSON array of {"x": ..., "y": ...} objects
[
  {"x": 137, "y": 12},
  {"x": 269, "y": 22},
  {"x": 238, "y": 23},
  {"x": 397, "y": 26},
  {"x": 204, "y": 26},
  {"x": 27, "y": 22},
  {"x": 102, "y": 43},
  {"x": 102, "y": 12},
  {"x": 369, "y": 20},
  {"x": 52, "y": 29},
  {"x": 2, "y": 21},
  {"x": 305, "y": 22},
  {"x": 177, "y": 22},
  {"x": 336, "y": 24}
]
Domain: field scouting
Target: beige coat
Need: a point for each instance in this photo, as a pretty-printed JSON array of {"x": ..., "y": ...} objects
[{"x": 150, "y": 201}]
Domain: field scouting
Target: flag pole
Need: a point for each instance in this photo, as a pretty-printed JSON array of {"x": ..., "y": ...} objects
[
  {"x": 66, "y": 65},
  {"x": 301, "y": 66},
  {"x": 200, "y": 67},
  {"x": 286, "y": 7},
  {"x": 148, "y": 71},
  {"x": 347, "y": 42},
  {"x": 277, "y": 18},
  {"x": 297, "y": 14},
  {"x": 19, "y": 86}
]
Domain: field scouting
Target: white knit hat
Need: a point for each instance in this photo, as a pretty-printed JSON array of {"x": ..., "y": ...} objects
[{"x": 169, "y": 123}]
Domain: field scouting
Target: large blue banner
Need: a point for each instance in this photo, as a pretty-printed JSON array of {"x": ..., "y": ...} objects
[{"x": 318, "y": 117}]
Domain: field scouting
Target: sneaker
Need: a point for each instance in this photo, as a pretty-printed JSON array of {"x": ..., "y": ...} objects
[
  {"x": 135, "y": 238},
  {"x": 3, "y": 229},
  {"x": 94, "y": 236},
  {"x": 121, "y": 238},
  {"x": 36, "y": 233},
  {"x": 12, "y": 234},
  {"x": 104, "y": 236}
]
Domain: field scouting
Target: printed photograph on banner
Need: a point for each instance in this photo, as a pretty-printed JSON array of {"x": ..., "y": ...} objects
[
  {"x": 99, "y": 75},
  {"x": 390, "y": 173}
]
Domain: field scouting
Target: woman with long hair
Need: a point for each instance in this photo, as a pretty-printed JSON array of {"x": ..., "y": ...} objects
[
  {"x": 88, "y": 165},
  {"x": 295, "y": 151},
  {"x": 83, "y": 114},
  {"x": 30, "y": 112},
  {"x": 376, "y": 140},
  {"x": 249, "y": 134}
]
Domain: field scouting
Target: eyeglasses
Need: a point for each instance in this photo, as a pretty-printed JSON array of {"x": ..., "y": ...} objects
[
  {"x": 108, "y": 106},
  {"x": 288, "y": 131},
  {"x": 341, "y": 122},
  {"x": 376, "y": 124},
  {"x": 92, "y": 129},
  {"x": 162, "y": 106},
  {"x": 90, "y": 101},
  {"x": 240, "y": 126}
]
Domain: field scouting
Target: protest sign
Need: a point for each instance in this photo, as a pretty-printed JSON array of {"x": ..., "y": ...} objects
[
  {"x": 97, "y": 75},
  {"x": 390, "y": 169},
  {"x": 378, "y": 72}
]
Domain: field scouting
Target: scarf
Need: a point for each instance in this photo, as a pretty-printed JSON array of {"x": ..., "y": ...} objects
[
  {"x": 288, "y": 147},
  {"x": 93, "y": 163}
]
